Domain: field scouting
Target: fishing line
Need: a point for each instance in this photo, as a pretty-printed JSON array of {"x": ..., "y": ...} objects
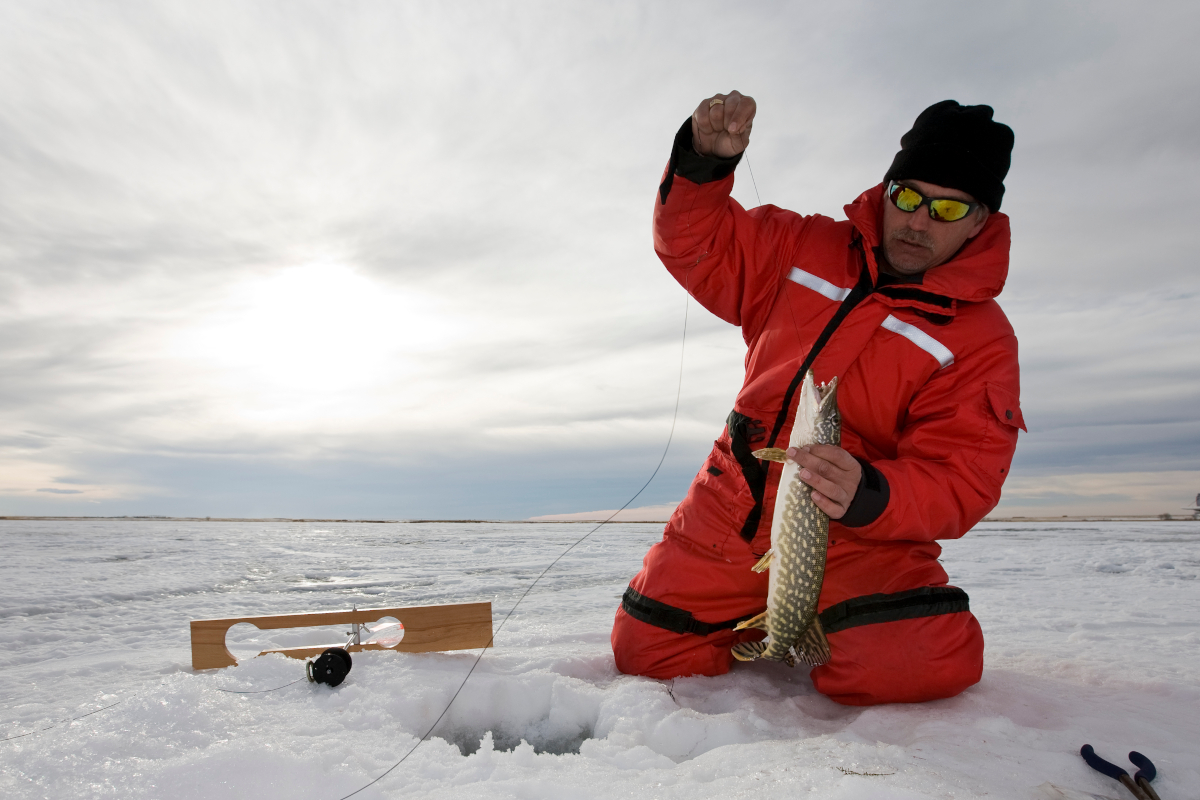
[
  {"x": 478, "y": 658},
  {"x": 63, "y": 722},
  {"x": 746, "y": 158},
  {"x": 775, "y": 255},
  {"x": 774, "y": 252},
  {"x": 260, "y": 691},
  {"x": 98, "y": 710}
]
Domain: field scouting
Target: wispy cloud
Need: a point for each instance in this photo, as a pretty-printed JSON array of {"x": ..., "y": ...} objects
[{"x": 301, "y": 257}]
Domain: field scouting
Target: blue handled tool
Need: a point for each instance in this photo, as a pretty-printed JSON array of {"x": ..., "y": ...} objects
[
  {"x": 1113, "y": 771},
  {"x": 1145, "y": 773}
]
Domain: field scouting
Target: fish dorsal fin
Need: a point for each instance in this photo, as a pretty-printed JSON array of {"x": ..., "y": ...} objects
[{"x": 812, "y": 646}]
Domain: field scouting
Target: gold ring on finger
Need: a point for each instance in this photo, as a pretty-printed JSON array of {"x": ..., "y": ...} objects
[{"x": 716, "y": 101}]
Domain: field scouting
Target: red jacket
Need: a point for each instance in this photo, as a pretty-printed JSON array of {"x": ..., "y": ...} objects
[{"x": 928, "y": 375}]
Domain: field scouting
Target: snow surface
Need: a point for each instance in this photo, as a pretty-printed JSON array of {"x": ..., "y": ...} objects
[{"x": 1093, "y": 635}]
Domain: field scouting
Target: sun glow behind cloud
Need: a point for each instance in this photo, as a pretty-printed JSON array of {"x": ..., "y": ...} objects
[
  {"x": 253, "y": 252},
  {"x": 318, "y": 344}
]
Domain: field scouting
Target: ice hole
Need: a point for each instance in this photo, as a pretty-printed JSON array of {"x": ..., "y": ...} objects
[{"x": 558, "y": 742}]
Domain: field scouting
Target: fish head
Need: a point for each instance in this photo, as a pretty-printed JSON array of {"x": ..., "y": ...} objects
[
  {"x": 817, "y": 418},
  {"x": 827, "y": 397},
  {"x": 829, "y": 420}
]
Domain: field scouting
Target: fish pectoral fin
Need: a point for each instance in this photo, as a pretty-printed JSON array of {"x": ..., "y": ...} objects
[
  {"x": 770, "y": 454},
  {"x": 749, "y": 651},
  {"x": 812, "y": 646},
  {"x": 764, "y": 563},
  {"x": 759, "y": 622}
]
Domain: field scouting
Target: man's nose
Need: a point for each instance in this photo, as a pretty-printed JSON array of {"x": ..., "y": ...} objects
[{"x": 920, "y": 220}]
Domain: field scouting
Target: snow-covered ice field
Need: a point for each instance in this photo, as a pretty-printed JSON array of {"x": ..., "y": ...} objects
[{"x": 1093, "y": 635}]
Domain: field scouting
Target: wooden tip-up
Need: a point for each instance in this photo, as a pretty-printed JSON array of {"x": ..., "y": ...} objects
[{"x": 462, "y": 626}]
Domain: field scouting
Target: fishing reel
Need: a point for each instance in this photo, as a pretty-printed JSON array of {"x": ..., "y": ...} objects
[
  {"x": 333, "y": 665},
  {"x": 330, "y": 668}
]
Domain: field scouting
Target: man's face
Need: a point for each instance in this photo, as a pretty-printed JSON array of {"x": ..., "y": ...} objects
[{"x": 914, "y": 242}]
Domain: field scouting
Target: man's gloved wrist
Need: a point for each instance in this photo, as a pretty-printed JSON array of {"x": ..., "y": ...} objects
[
  {"x": 870, "y": 499},
  {"x": 687, "y": 163},
  {"x": 699, "y": 168}
]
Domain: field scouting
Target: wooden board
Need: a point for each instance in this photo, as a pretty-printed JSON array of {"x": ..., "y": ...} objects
[{"x": 462, "y": 626}]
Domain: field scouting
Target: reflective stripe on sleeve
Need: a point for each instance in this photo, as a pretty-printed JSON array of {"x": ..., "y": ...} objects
[
  {"x": 921, "y": 339},
  {"x": 834, "y": 292}
]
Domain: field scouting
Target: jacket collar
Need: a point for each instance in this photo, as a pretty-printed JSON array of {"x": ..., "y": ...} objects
[{"x": 976, "y": 273}]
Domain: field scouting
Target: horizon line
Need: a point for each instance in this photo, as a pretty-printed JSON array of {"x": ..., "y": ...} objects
[{"x": 1164, "y": 517}]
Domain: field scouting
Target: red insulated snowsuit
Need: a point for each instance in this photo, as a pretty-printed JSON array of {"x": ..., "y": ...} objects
[{"x": 928, "y": 393}]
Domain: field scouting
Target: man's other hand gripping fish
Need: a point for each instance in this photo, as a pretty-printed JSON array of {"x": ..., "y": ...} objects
[{"x": 799, "y": 541}]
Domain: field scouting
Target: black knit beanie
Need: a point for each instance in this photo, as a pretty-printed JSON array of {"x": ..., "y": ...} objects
[{"x": 959, "y": 147}]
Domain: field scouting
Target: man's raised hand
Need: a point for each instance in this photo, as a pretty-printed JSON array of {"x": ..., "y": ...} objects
[{"x": 721, "y": 124}]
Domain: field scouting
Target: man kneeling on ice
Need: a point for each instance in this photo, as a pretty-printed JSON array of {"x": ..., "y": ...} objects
[{"x": 896, "y": 303}]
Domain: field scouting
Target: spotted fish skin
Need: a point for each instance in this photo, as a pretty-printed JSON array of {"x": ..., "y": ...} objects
[{"x": 799, "y": 541}]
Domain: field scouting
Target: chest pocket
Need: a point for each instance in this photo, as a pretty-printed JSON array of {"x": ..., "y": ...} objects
[
  {"x": 1004, "y": 419},
  {"x": 1006, "y": 406}
]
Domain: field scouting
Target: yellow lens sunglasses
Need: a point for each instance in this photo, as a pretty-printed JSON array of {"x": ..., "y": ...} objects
[{"x": 943, "y": 209}]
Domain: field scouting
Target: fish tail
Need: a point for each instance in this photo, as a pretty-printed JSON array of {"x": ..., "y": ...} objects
[
  {"x": 749, "y": 651},
  {"x": 812, "y": 646}
]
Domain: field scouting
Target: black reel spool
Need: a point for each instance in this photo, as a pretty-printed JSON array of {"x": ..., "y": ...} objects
[{"x": 331, "y": 667}]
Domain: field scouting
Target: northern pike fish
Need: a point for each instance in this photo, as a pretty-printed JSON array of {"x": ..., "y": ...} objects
[{"x": 799, "y": 542}]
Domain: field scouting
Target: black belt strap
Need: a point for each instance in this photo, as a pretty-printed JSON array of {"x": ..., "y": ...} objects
[
  {"x": 928, "y": 601},
  {"x": 856, "y": 296},
  {"x": 675, "y": 620},
  {"x": 753, "y": 470}
]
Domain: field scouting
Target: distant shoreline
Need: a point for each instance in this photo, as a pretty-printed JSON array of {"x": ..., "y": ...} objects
[{"x": 1064, "y": 518}]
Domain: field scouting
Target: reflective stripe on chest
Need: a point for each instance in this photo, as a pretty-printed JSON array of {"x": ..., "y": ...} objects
[
  {"x": 819, "y": 285},
  {"x": 921, "y": 339},
  {"x": 836, "y": 293}
]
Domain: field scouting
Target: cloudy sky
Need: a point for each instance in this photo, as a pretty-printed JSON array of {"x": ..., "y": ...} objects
[{"x": 375, "y": 259}]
